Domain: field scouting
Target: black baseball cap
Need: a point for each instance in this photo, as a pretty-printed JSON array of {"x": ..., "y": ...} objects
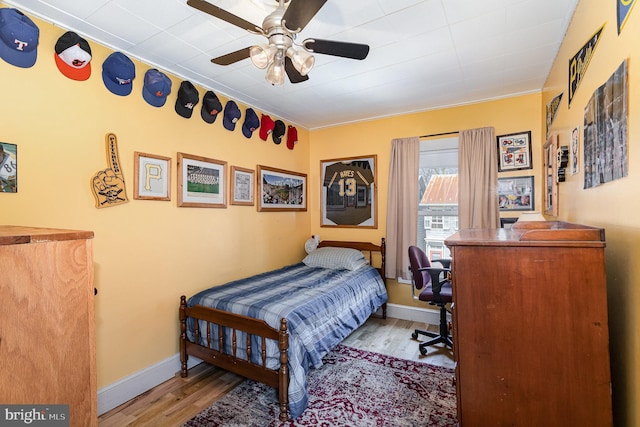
[
  {"x": 187, "y": 99},
  {"x": 211, "y": 106},
  {"x": 279, "y": 130}
]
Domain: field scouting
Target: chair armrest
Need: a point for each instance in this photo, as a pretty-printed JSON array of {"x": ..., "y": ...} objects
[
  {"x": 445, "y": 262},
  {"x": 436, "y": 281}
]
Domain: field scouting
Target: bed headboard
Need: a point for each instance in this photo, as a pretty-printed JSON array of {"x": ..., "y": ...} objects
[{"x": 368, "y": 247}]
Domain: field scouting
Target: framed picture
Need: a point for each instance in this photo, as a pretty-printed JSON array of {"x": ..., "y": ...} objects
[
  {"x": 152, "y": 177},
  {"x": 549, "y": 173},
  {"x": 507, "y": 222},
  {"x": 281, "y": 190},
  {"x": 8, "y": 168},
  {"x": 349, "y": 192},
  {"x": 514, "y": 151},
  {"x": 575, "y": 148},
  {"x": 201, "y": 182},
  {"x": 242, "y": 186},
  {"x": 516, "y": 193}
]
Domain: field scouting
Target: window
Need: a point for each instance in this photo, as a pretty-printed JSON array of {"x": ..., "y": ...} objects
[
  {"x": 437, "y": 222},
  {"x": 438, "y": 195}
]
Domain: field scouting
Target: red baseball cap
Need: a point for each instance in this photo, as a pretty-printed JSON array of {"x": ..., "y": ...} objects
[
  {"x": 266, "y": 126},
  {"x": 292, "y": 137}
]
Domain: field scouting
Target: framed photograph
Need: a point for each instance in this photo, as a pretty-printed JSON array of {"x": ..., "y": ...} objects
[
  {"x": 152, "y": 177},
  {"x": 281, "y": 190},
  {"x": 516, "y": 193},
  {"x": 349, "y": 192},
  {"x": 242, "y": 186},
  {"x": 201, "y": 182},
  {"x": 575, "y": 148},
  {"x": 514, "y": 151},
  {"x": 507, "y": 222},
  {"x": 8, "y": 168},
  {"x": 549, "y": 173}
]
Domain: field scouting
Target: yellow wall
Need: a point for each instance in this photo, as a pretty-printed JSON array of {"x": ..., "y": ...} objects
[
  {"x": 147, "y": 253},
  {"x": 374, "y": 137},
  {"x": 613, "y": 205}
]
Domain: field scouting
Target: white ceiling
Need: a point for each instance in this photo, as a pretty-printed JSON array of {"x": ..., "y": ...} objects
[{"x": 425, "y": 54}]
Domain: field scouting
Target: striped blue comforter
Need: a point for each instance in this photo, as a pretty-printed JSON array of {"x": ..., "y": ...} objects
[{"x": 322, "y": 307}]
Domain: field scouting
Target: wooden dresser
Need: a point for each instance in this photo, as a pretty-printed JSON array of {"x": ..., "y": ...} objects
[
  {"x": 47, "y": 326},
  {"x": 531, "y": 334}
]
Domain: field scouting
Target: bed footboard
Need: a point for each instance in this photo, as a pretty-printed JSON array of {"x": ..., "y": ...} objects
[{"x": 276, "y": 378}]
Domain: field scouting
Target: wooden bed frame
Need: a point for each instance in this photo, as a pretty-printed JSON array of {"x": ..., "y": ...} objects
[{"x": 276, "y": 378}]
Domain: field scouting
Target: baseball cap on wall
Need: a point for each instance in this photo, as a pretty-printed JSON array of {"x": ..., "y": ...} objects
[
  {"x": 188, "y": 98},
  {"x": 292, "y": 137},
  {"x": 231, "y": 115},
  {"x": 266, "y": 126},
  {"x": 118, "y": 72},
  {"x": 278, "y": 131},
  {"x": 211, "y": 106},
  {"x": 251, "y": 122},
  {"x": 156, "y": 87},
  {"x": 73, "y": 56},
  {"x": 19, "y": 37}
]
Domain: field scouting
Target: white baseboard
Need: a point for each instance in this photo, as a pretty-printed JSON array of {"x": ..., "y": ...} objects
[
  {"x": 121, "y": 391},
  {"x": 117, "y": 393},
  {"x": 415, "y": 314}
]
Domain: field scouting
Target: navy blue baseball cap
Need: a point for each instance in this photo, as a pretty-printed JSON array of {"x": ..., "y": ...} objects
[
  {"x": 251, "y": 122},
  {"x": 156, "y": 87},
  {"x": 231, "y": 115},
  {"x": 118, "y": 72},
  {"x": 19, "y": 37}
]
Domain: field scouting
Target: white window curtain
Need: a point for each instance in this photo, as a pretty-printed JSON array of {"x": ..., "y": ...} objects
[
  {"x": 478, "y": 179},
  {"x": 402, "y": 205}
]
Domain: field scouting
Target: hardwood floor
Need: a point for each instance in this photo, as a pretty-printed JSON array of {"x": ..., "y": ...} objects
[{"x": 177, "y": 400}]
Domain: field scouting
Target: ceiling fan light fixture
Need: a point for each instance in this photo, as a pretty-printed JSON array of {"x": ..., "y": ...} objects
[
  {"x": 262, "y": 55},
  {"x": 276, "y": 72},
  {"x": 302, "y": 60}
]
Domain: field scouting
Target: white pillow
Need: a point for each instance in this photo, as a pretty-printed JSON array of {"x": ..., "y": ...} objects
[{"x": 335, "y": 258}]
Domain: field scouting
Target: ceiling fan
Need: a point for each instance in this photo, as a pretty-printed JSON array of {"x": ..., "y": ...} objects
[{"x": 280, "y": 27}]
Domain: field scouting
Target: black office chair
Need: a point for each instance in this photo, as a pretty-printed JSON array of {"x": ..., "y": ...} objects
[{"x": 435, "y": 288}]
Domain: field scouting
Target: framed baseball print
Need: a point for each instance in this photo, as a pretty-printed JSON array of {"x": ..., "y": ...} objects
[
  {"x": 201, "y": 182},
  {"x": 152, "y": 177},
  {"x": 349, "y": 192},
  {"x": 242, "y": 186},
  {"x": 281, "y": 190}
]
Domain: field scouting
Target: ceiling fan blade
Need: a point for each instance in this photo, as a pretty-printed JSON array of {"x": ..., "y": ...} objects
[
  {"x": 232, "y": 57},
  {"x": 292, "y": 73},
  {"x": 331, "y": 47},
  {"x": 300, "y": 12},
  {"x": 223, "y": 14}
]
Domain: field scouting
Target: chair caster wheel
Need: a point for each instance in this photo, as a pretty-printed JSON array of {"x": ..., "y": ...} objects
[
  {"x": 414, "y": 335},
  {"x": 423, "y": 351}
]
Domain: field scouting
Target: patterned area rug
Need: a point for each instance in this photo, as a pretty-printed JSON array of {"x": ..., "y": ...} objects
[{"x": 352, "y": 388}]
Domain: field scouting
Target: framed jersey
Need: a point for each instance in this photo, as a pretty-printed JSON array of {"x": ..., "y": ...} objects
[
  {"x": 349, "y": 192},
  {"x": 8, "y": 168}
]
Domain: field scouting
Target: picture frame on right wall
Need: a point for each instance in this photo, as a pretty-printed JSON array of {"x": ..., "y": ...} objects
[{"x": 549, "y": 173}]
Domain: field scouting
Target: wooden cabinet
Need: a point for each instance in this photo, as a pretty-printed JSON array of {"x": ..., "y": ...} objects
[
  {"x": 47, "y": 326},
  {"x": 530, "y": 330}
]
